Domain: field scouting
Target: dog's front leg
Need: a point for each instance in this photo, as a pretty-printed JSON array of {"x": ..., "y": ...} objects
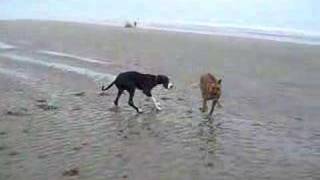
[
  {"x": 219, "y": 105},
  {"x": 214, "y": 102},
  {"x": 156, "y": 103},
  {"x": 204, "y": 105}
]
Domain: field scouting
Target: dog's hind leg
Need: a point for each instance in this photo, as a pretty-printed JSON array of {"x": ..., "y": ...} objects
[
  {"x": 120, "y": 91},
  {"x": 130, "y": 102}
]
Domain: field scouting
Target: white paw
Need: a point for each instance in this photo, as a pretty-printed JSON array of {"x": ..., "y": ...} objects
[
  {"x": 140, "y": 110},
  {"x": 158, "y": 108}
]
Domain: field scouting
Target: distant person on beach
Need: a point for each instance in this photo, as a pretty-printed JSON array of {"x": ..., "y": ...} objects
[{"x": 129, "y": 25}]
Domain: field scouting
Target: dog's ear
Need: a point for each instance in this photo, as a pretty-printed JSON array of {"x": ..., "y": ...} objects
[
  {"x": 159, "y": 79},
  {"x": 162, "y": 79},
  {"x": 219, "y": 81}
]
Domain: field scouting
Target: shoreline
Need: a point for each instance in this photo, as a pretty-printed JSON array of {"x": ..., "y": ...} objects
[{"x": 277, "y": 35}]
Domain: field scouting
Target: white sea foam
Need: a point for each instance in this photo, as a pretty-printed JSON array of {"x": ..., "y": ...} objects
[
  {"x": 79, "y": 70},
  {"x": 5, "y": 46},
  {"x": 60, "y": 54},
  {"x": 274, "y": 34}
]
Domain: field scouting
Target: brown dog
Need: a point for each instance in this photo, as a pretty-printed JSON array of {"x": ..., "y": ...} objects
[{"x": 211, "y": 90}]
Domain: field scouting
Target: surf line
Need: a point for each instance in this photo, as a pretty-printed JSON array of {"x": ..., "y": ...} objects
[
  {"x": 4, "y": 46},
  {"x": 66, "y": 55},
  {"x": 97, "y": 76}
]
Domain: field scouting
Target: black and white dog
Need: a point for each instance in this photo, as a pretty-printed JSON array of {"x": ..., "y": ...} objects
[{"x": 130, "y": 81}]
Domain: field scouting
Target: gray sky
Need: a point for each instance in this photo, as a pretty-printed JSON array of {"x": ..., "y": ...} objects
[{"x": 287, "y": 14}]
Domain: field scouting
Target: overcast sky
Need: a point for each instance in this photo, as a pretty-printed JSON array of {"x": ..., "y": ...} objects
[{"x": 292, "y": 14}]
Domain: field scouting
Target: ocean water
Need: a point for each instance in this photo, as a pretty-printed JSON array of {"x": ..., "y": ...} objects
[{"x": 275, "y": 34}]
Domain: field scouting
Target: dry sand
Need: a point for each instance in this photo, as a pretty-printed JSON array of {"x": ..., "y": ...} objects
[{"x": 55, "y": 125}]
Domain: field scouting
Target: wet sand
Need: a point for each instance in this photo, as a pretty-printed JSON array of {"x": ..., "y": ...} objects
[{"x": 55, "y": 125}]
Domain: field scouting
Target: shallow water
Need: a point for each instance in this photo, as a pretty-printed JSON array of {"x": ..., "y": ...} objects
[{"x": 267, "y": 128}]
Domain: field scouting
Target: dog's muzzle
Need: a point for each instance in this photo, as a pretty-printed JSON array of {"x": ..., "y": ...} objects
[{"x": 170, "y": 86}]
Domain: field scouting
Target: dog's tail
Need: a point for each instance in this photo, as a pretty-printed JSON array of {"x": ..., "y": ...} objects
[{"x": 106, "y": 88}]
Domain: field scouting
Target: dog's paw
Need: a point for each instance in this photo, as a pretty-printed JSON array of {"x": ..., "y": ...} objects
[
  {"x": 219, "y": 105},
  {"x": 140, "y": 110},
  {"x": 210, "y": 117},
  {"x": 203, "y": 109},
  {"x": 158, "y": 107}
]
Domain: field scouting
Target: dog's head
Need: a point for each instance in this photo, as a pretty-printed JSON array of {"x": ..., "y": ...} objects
[
  {"x": 165, "y": 81},
  {"x": 214, "y": 89}
]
